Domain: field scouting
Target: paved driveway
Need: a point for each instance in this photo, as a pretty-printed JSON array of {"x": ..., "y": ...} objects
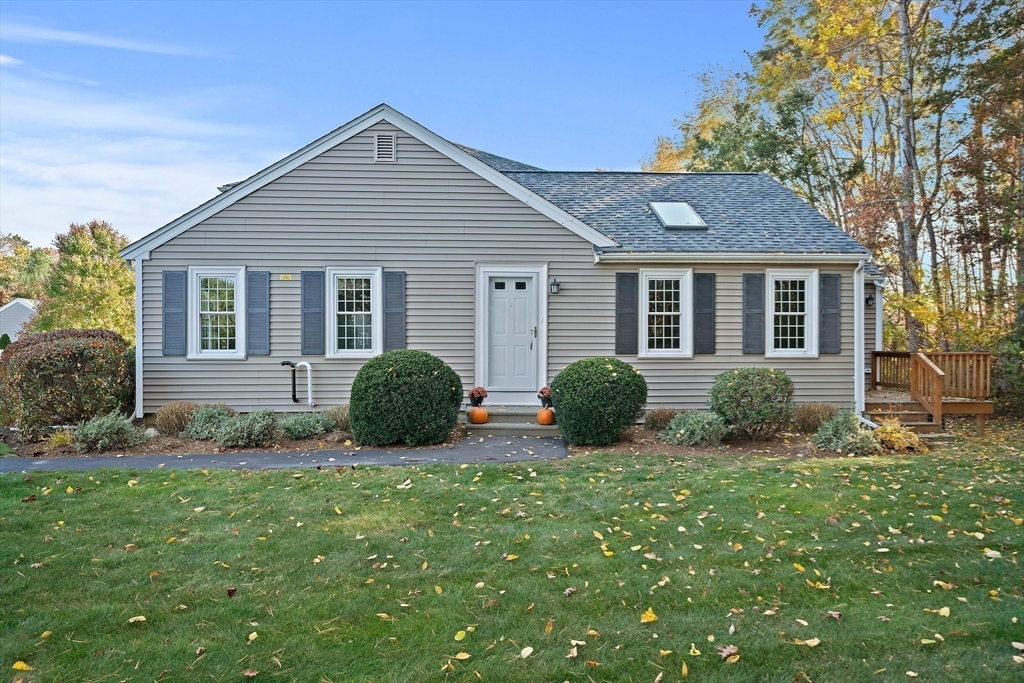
[{"x": 470, "y": 450}]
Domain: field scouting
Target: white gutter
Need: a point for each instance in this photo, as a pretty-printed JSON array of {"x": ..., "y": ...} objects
[
  {"x": 858, "y": 336},
  {"x": 726, "y": 257},
  {"x": 138, "y": 333}
]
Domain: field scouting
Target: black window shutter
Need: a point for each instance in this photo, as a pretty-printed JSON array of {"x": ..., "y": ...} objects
[
  {"x": 829, "y": 302},
  {"x": 257, "y": 312},
  {"x": 175, "y": 288},
  {"x": 313, "y": 310},
  {"x": 704, "y": 313},
  {"x": 394, "y": 310},
  {"x": 753, "y": 313},
  {"x": 626, "y": 298}
]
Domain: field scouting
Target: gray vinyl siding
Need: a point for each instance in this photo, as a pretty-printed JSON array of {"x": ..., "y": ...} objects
[
  {"x": 12, "y": 319},
  {"x": 435, "y": 220},
  {"x": 869, "y": 324}
]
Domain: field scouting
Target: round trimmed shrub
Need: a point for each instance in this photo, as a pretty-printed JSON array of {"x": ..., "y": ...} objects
[
  {"x": 64, "y": 377},
  {"x": 695, "y": 428},
  {"x": 404, "y": 396},
  {"x": 596, "y": 399},
  {"x": 753, "y": 401},
  {"x": 250, "y": 430}
]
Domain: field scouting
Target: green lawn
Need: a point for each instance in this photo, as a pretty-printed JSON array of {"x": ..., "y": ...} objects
[{"x": 343, "y": 575}]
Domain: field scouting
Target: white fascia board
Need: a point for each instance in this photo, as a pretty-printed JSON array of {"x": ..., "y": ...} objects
[
  {"x": 380, "y": 113},
  {"x": 726, "y": 257},
  {"x": 27, "y": 303}
]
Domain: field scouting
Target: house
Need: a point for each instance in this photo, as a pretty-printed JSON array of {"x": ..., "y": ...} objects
[
  {"x": 383, "y": 235},
  {"x": 14, "y": 314}
]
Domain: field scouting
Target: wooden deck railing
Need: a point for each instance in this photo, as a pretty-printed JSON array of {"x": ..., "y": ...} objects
[
  {"x": 926, "y": 385},
  {"x": 965, "y": 374}
]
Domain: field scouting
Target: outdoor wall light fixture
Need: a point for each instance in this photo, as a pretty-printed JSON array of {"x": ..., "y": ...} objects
[
  {"x": 553, "y": 286},
  {"x": 870, "y": 300}
]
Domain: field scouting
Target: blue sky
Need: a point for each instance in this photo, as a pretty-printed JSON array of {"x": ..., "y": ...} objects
[{"x": 135, "y": 112}]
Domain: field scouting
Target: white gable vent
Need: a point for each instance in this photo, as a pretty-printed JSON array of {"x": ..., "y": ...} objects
[
  {"x": 384, "y": 148},
  {"x": 677, "y": 215}
]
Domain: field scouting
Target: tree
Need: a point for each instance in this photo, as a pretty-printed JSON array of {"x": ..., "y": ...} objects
[
  {"x": 23, "y": 269},
  {"x": 90, "y": 286}
]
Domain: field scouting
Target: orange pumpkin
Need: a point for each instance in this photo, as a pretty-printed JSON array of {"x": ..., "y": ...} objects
[
  {"x": 477, "y": 416},
  {"x": 545, "y": 416}
]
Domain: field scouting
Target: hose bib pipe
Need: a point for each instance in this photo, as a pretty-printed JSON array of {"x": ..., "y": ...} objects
[{"x": 309, "y": 380}]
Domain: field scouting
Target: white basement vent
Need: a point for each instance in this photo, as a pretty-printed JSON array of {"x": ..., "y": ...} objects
[
  {"x": 677, "y": 215},
  {"x": 384, "y": 145}
]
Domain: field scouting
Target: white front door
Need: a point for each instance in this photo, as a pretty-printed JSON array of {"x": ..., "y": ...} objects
[{"x": 512, "y": 333}]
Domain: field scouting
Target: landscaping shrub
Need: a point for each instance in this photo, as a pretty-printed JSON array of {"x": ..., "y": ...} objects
[
  {"x": 695, "y": 428},
  {"x": 899, "y": 438},
  {"x": 107, "y": 433},
  {"x": 1008, "y": 373},
  {"x": 843, "y": 434},
  {"x": 174, "y": 417},
  {"x": 5, "y": 341},
  {"x": 657, "y": 419},
  {"x": 808, "y": 417},
  {"x": 60, "y": 438},
  {"x": 206, "y": 420},
  {"x": 307, "y": 425},
  {"x": 753, "y": 401},
  {"x": 404, "y": 396},
  {"x": 63, "y": 377},
  {"x": 339, "y": 414},
  {"x": 596, "y": 399},
  {"x": 250, "y": 430}
]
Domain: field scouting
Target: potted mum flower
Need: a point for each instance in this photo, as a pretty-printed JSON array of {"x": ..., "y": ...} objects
[
  {"x": 477, "y": 396},
  {"x": 545, "y": 397}
]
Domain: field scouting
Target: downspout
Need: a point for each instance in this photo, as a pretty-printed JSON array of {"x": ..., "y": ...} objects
[
  {"x": 138, "y": 334},
  {"x": 858, "y": 337}
]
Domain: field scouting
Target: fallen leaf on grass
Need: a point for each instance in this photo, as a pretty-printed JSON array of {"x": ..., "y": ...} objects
[
  {"x": 526, "y": 652},
  {"x": 549, "y": 626},
  {"x": 835, "y": 615},
  {"x": 729, "y": 653},
  {"x": 912, "y": 674},
  {"x": 813, "y": 642},
  {"x": 136, "y": 619},
  {"x": 694, "y": 652},
  {"x": 253, "y": 636},
  {"x": 648, "y": 617},
  {"x": 46, "y": 634},
  {"x": 384, "y": 615},
  {"x": 250, "y": 673},
  {"x": 21, "y": 666},
  {"x": 462, "y": 656},
  {"x": 232, "y": 591}
]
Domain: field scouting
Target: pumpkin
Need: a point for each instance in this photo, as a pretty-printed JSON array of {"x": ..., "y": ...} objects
[
  {"x": 545, "y": 416},
  {"x": 477, "y": 416}
]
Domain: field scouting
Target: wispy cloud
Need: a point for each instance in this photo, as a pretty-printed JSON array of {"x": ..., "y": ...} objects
[
  {"x": 25, "y": 33},
  {"x": 7, "y": 60}
]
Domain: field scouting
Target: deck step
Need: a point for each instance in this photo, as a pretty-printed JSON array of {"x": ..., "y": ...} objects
[
  {"x": 924, "y": 427},
  {"x": 508, "y": 414}
]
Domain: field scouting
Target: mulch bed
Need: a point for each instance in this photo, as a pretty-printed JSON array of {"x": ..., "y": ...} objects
[{"x": 641, "y": 441}]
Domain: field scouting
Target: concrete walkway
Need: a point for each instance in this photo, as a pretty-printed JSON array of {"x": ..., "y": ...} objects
[{"x": 470, "y": 450}]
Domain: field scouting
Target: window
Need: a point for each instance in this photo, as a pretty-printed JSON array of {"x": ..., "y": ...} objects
[
  {"x": 666, "y": 313},
  {"x": 216, "y": 315},
  {"x": 355, "y": 322},
  {"x": 677, "y": 215},
  {"x": 792, "y": 325}
]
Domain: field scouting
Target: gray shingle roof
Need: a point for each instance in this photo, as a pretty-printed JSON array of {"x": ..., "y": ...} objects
[
  {"x": 496, "y": 162},
  {"x": 744, "y": 212}
]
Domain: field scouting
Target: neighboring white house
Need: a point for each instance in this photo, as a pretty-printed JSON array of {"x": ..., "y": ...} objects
[{"x": 14, "y": 314}]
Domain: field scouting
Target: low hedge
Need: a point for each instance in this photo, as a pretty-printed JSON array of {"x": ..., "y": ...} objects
[
  {"x": 755, "y": 402},
  {"x": 249, "y": 430},
  {"x": 404, "y": 396},
  {"x": 596, "y": 399},
  {"x": 307, "y": 425},
  {"x": 64, "y": 377},
  {"x": 109, "y": 432}
]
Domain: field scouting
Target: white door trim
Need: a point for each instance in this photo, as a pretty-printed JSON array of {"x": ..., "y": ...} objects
[{"x": 485, "y": 271}]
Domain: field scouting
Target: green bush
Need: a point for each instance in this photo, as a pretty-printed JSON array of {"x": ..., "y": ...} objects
[
  {"x": 695, "y": 428},
  {"x": 174, "y": 417},
  {"x": 404, "y": 396},
  {"x": 251, "y": 430},
  {"x": 339, "y": 414},
  {"x": 808, "y": 417},
  {"x": 657, "y": 419},
  {"x": 63, "y": 377},
  {"x": 596, "y": 399},
  {"x": 307, "y": 425},
  {"x": 108, "y": 432},
  {"x": 1008, "y": 373},
  {"x": 206, "y": 420},
  {"x": 844, "y": 434},
  {"x": 5, "y": 341},
  {"x": 753, "y": 401}
]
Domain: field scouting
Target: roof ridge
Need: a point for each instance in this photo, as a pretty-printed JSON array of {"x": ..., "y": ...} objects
[{"x": 650, "y": 173}]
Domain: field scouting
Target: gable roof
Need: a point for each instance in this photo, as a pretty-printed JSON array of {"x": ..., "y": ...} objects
[
  {"x": 496, "y": 162},
  {"x": 744, "y": 212},
  {"x": 382, "y": 112},
  {"x": 27, "y": 303}
]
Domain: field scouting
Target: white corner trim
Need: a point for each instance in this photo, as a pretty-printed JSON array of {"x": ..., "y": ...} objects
[
  {"x": 376, "y": 115},
  {"x": 879, "y": 317},
  {"x": 139, "y": 352},
  {"x": 811, "y": 317},
  {"x": 858, "y": 337},
  {"x": 484, "y": 271},
  {"x": 376, "y": 311},
  {"x": 724, "y": 257},
  {"x": 685, "y": 276},
  {"x": 192, "y": 312}
]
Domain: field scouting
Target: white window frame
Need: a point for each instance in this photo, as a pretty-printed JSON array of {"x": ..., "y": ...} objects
[
  {"x": 376, "y": 276},
  {"x": 685, "y": 277},
  {"x": 812, "y": 316},
  {"x": 193, "y": 327}
]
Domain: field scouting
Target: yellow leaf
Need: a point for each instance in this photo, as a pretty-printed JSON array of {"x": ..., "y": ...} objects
[
  {"x": 135, "y": 619},
  {"x": 943, "y": 611},
  {"x": 799, "y": 567},
  {"x": 172, "y": 539},
  {"x": 509, "y": 558},
  {"x": 694, "y": 652},
  {"x": 526, "y": 652},
  {"x": 593, "y": 634},
  {"x": 936, "y": 518},
  {"x": 462, "y": 656},
  {"x": 813, "y": 642},
  {"x": 549, "y": 626},
  {"x": 598, "y": 536},
  {"x": 69, "y": 490},
  {"x": 665, "y": 653},
  {"x": 460, "y": 635},
  {"x": 383, "y": 615},
  {"x": 912, "y": 674},
  {"x": 337, "y": 509},
  {"x": 132, "y": 482},
  {"x": 21, "y": 666},
  {"x": 686, "y": 671},
  {"x": 438, "y": 590},
  {"x": 927, "y": 641},
  {"x": 737, "y": 547},
  {"x": 369, "y": 581},
  {"x": 46, "y": 634},
  {"x": 648, "y": 617},
  {"x": 423, "y": 566},
  {"x": 253, "y": 636}
]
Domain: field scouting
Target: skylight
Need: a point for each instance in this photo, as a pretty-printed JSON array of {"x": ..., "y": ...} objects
[{"x": 677, "y": 215}]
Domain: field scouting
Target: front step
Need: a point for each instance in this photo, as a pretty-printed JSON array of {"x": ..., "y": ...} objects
[{"x": 511, "y": 421}]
